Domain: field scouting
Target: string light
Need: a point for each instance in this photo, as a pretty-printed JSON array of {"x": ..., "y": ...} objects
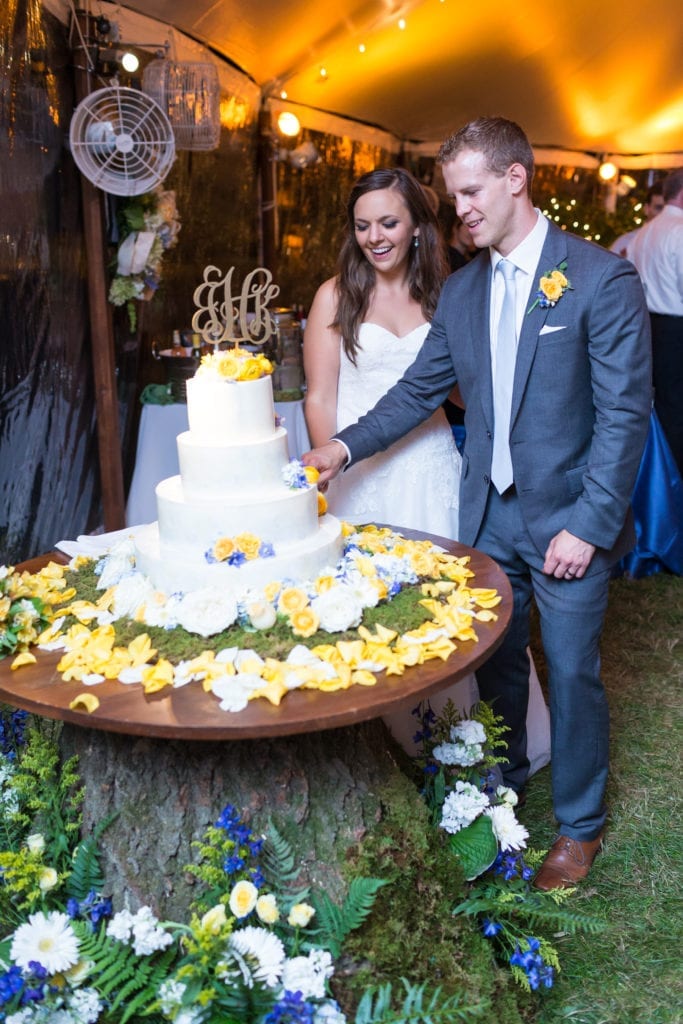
[
  {"x": 401, "y": 23},
  {"x": 361, "y": 48}
]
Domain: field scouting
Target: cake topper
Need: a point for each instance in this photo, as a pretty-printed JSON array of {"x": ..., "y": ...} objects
[{"x": 222, "y": 316}]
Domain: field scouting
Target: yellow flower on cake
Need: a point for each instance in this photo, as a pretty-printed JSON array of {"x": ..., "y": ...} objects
[
  {"x": 226, "y": 365},
  {"x": 304, "y": 622},
  {"x": 248, "y": 544},
  {"x": 250, "y": 369},
  {"x": 324, "y": 583},
  {"x": 322, "y": 504},
  {"x": 271, "y": 591},
  {"x": 312, "y": 474},
  {"x": 292, "y": 599},
  {"x": 223, "y": 548}
]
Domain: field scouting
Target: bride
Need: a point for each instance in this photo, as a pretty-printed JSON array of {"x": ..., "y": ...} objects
[{"x": 364, "y": 329}]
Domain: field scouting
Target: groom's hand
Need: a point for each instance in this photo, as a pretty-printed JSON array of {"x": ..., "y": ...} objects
[
  {"x": 567, "y": 557},
  {"x": 329, "y": 459}
]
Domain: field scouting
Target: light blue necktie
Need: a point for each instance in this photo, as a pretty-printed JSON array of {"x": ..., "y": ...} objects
[{"x": 506, "y": 353}]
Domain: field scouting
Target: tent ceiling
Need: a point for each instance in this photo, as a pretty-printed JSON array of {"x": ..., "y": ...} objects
[{"x": 599, "y": 76}]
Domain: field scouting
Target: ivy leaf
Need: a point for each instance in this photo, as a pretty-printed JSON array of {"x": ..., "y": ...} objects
[{"x": 475, "y": 846}]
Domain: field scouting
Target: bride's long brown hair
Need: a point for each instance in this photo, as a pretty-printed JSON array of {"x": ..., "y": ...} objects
[{"x": 427, "y": 264}]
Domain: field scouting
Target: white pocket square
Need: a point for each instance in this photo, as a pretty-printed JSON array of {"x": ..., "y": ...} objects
[{"x": 551, "y": 330}]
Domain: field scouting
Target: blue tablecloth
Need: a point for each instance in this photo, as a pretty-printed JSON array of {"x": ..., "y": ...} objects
[{"x": 658, "y": 511}]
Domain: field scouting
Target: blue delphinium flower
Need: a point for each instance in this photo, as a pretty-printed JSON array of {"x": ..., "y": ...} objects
[
  {"x": 533, "y": 964},
  {"x": 490, "y": 928},
  {"x": 233, "y": 864},
  {"x": 291, "y": 1008},
  {"x": 237, "y": 558},
  {"x": 12, "y": 726},
  {"x": 266, "y": 550}
]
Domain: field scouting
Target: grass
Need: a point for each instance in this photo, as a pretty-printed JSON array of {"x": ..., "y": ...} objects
[{"x": 630, "y": 974}]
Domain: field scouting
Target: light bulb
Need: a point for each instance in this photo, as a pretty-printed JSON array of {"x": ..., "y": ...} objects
[
  {"x": 130, "y": 62},
  {"x": 288, "y": 124}
]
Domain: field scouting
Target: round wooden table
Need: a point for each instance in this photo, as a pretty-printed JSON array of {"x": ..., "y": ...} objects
[
  {"x": 322, "y": 766},
  {"x": 188, "y": 713}
]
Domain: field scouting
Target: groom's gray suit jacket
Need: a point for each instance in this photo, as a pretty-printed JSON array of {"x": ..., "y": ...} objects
[{"x": 581, "y": 399}]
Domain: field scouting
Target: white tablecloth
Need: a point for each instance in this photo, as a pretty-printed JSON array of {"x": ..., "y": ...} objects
[{"x": 157, "y": 453}]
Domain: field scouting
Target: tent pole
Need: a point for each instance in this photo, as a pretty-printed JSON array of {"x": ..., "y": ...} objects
[
  {"x": 101, "y": 326},
  {"x": 268, "y": 227}
]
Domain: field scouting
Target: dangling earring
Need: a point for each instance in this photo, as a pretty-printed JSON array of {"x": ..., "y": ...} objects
[{"x": 416, "y": 241}]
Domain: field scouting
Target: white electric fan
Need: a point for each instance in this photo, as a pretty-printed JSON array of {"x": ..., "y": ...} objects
[{"x": 122, "y": 141}]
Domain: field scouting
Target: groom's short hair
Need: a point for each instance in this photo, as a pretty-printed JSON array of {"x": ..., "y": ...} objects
[{"x": 502, "y": 142}]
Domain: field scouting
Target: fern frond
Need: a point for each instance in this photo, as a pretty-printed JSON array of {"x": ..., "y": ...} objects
[
  {"x": 280, "y": 869},
  {"x": 418, "y": 1007},
  {"x": 335, "y": 923}
]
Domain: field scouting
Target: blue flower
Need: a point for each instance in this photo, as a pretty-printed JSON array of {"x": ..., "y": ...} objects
[
  {"x": 228, "y": 817},
  {"x": 233, "y": 864},
  {"x": 237, "y": 558},
  {"x": 291, "y": 1008},
  {"x": 266, "y": 550},
  {"x": 490, "y": 928}
]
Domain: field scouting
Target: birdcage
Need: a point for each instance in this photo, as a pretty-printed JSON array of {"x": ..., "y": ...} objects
[{"x": 189, "y": 93}]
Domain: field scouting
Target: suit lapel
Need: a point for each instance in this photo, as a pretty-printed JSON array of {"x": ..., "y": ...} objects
[
  {"x": 479, "y": 304},
  {"x": 553, "y": 253}
]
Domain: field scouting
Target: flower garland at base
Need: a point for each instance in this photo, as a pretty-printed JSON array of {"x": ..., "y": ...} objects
[
  {"x": 376, "y": 565},
  {"x": 258, "y": 948},
  {"x": 464, "y": 792}
]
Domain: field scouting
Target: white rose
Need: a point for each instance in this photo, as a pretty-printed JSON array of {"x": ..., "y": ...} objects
[
  {"x": 207, "y": 611},
  {"x": 261, "y": 614},
  {"x": 338, "y": 609}
]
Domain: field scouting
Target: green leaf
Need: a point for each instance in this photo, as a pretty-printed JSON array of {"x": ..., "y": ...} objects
[{"x": 475, "y": 846}]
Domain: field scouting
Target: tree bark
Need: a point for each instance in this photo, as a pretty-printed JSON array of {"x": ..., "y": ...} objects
[{"x": 322, "y": 791}]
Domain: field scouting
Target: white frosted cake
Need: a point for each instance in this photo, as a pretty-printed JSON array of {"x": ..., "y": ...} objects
[{"x": 233, "y": 462}]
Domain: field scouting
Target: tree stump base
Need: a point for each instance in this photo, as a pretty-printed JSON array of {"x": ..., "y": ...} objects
[{"x": 323, "y": 792}]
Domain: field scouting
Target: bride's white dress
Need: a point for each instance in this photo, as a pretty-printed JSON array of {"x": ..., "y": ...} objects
[{"x": 415, "y": 485}]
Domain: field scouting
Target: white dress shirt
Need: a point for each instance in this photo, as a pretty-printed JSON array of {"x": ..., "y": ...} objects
[
  {"x": 525, "y": 257},
  {"x": 657, "y": 253}
]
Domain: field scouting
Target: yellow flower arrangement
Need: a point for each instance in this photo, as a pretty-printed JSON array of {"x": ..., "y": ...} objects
[
  {"x": 235, "y": 364},
  {"x": 332, "y": 603}
]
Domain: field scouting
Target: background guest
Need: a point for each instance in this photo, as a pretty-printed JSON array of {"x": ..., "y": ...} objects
[
  {"x": 654, "y": 204},
  {"x": 657, "y": 252}
]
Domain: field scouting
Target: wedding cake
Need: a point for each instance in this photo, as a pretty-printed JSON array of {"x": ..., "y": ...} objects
[{"x": 239, "y": 514}]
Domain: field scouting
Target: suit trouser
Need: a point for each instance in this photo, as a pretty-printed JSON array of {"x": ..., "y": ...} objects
[
  {"x": 571, "y": 614},
  {"x": 667, "y": 376}
]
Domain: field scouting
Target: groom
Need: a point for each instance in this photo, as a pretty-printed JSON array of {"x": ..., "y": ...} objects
[{"x": 551, "y": 352}]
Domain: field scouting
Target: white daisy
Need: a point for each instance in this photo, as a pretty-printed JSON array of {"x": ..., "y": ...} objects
[
  {"x": 507, "y": 830},
  {"x": 261, "y": 951},
  {"x": 48, "y": 939}
]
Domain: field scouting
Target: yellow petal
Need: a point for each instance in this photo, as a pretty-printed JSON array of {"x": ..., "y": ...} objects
[
  {"x": 156, "y": 677},
  {"x": 24, "y": 658},
  {"x": 85, "y": 702},
  {"x": 363, "y": 678}
]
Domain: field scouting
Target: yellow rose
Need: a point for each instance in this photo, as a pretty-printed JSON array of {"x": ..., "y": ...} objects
[
  {"x": 292, "y": 599},
  {"x": 300, "y": 915},
  {"x": 223, "y": 548},
  {"x": 48, "y": 879},
  {"x": 250, "y": 370},
  {"x": 322, "y": 504},
  {"x": 558, "y": 276},
  {"x": 243, "y": 898},
  {"x": 265, "y": 364},
  {"x": 266, "y": 908},
  {"x": 214, "y": 919},
  {"x": 228, "y": 366},
  {"x": 249, "y": 544},
  {"x": 551, "y": 289},
  {"x": 311, "y": 474},
  {"x": 271, "y": 590},
  {"x": 304, "y": 622}
]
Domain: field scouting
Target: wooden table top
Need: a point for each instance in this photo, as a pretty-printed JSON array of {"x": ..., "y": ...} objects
[{"x": 191, "y": 714}]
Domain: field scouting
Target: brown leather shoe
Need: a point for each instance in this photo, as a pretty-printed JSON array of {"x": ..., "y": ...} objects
[{"x": 567, "y": 863}]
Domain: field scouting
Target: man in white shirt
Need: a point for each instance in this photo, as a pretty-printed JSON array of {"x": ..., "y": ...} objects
[
  {"x": 654, "y": 204},
  {"x": 567, "y": 322},
  {"x": 657, "y": 253}
]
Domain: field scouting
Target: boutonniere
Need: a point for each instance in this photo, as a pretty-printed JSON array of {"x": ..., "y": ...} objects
[{"x": 551, "y": 287}]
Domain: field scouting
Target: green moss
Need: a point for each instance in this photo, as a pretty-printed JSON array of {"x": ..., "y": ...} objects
[
  {"x": 402, "y": 613},
  {"x": 412, "y": 931}
]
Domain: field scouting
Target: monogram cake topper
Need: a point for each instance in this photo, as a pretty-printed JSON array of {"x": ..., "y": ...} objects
[{"x": 224, "y": 316}]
